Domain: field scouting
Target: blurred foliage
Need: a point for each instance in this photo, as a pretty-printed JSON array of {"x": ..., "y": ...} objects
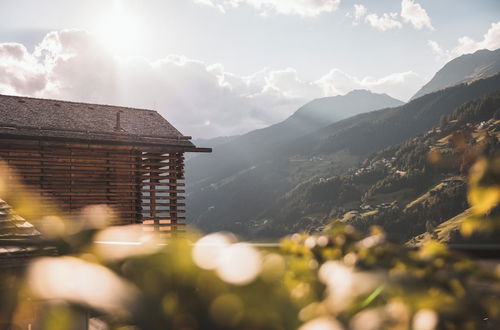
[
  {"x": 484, "y": 197},
  {"x": 339, "y": 279}
]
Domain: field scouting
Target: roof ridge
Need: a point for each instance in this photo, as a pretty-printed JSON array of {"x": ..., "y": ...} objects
[
  {"x": 80, "y": 103},
  {"x": 42, "y": 128}
]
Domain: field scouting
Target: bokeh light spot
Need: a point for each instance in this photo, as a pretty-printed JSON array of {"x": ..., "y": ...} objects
[{"x": 239, "y": 264}]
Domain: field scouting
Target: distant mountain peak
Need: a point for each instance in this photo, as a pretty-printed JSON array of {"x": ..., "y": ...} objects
[
  {"x": 367, "y": 92},
  {"x": 481, "y": 51},
  {"x": 465, "y": 68},
  {"x": 360, "y": 91},
  {"x": 326, "y": 110}
]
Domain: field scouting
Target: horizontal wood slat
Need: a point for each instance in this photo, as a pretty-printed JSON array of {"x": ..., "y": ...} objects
[
  {"x": 80, "y": 175},
  {"x": 138, "y": 184},
  {"x": 165, "y": 224},
  {"x": 77, "y": 169},
  {"x": 82, "y": 182}
]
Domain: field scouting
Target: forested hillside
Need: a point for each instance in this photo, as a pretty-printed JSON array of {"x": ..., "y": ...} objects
[
  {"x": 408, "y": 188},
  {"x": 252, "y": 200},
  {"x": 243, "y": 176}
]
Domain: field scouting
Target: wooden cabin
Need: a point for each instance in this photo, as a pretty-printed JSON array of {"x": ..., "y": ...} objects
[{"x": 81, "y": 154}]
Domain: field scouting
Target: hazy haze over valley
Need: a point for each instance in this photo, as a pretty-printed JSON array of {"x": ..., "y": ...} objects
[
  {"x": 263, "y": 193},
  {"x": 288, "y": 93},
  {"x": 250, "y": 164}
]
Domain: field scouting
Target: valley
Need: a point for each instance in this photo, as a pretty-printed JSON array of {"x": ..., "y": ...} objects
[{"x": 394, "y": 166}]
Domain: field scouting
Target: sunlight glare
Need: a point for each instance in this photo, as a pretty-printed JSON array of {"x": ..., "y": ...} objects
[{"x": 119, "y": 31}]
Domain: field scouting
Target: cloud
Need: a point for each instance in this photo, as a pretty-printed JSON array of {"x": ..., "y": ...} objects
[
  {"x": 202, "y": 100},
  {"x": 220, "y": 5},
  {"x": 19, "y": 70},
  {"x": 440, "y": 53},
  {"x": 359, "y": 12},
  {"x": 467, "y": 45},
  {"x": 385, "y": 22},
  {"x": 307, "y": 8},
  {"x": 491, "y": 41},
  {"x": 414, "y": 13},
  {"x": 410, "y": 13}
]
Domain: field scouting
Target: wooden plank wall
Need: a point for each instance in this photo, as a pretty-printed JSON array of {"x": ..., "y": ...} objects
[
  {"x": 139, "y": 185},
  {"x": 162, "y": 200}
]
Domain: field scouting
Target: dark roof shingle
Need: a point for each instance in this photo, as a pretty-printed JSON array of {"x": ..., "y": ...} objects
[{"x": 32, "y": 117}]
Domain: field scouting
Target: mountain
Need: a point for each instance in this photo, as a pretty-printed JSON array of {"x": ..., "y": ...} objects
[
  {"x": 246, "y": 173},
  {"x": 327, "y": 110},
  {"x": 480, "y": 64},
  {"x": 214, "y": 142},
  {"x": 369, "y": 132},
  {"x": 265, "y": 199},
  {"x": 408, "y": 188},
  {"x": 245, "y": 151}
]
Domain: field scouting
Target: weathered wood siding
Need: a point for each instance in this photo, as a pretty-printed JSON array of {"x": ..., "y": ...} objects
[
  {"x": 142, "y": 185},
  {"x": 161, "y": 193}
]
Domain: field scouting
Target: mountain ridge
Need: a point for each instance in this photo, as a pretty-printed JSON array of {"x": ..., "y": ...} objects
[
  {"x": 401, "y": 187},
  {"x": 234, "y": 201},
  {"x": 468, "y": 67},
  {"x": 261, "y": 142},
  {"x": 240, "y": 187}
]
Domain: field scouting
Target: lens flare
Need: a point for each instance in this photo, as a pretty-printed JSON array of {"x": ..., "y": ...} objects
[
  {"x": 322, "y": 323},
  {"x": 73, "y": 280},
  {"x": 239, "y": 264},
  {"x": 425, "y": 319},
  {"x": 207, "y": 250}
]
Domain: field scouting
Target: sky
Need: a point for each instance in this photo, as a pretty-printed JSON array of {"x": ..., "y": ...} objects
[{"x": 225, "y": 67}]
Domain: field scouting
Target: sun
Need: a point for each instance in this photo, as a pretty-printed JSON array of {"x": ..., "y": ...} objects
[{"x": 119, "y": 31}]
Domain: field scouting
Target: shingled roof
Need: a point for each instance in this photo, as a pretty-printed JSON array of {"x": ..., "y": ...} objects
[
  {"x": 47, "y": 119},
  {"x": 13, "y": 225},
  {"x": 15, "y": 229}
]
